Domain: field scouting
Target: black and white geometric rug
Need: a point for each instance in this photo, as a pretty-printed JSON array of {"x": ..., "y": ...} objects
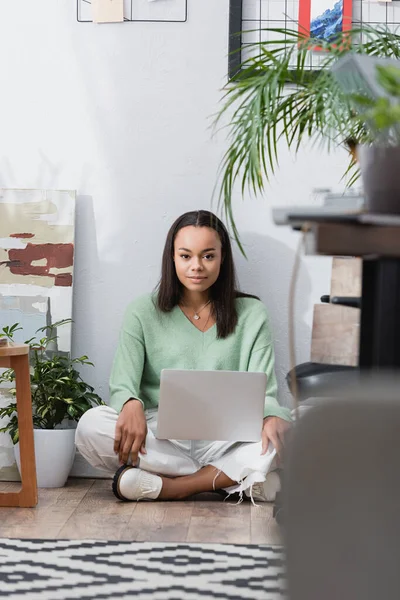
[{"x": 68, "y": 569}]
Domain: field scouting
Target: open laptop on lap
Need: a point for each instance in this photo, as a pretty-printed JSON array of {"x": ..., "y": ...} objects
[{"x": 211, "y": 405}]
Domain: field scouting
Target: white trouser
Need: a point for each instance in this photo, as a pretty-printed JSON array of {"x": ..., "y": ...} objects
[{"x": 241, "y": 462}]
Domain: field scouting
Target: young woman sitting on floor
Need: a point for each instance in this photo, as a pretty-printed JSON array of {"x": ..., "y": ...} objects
[{"x": 197, "y": 319}]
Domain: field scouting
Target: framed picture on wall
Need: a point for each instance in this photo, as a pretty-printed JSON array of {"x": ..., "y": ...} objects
[{"x": 324, "y": 19}]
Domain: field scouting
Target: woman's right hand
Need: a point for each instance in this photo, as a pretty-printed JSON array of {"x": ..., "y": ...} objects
[{"x": 130, "y": 432}]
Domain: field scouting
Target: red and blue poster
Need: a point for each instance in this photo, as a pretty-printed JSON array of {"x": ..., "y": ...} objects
[{"x": 324, "y": 20}]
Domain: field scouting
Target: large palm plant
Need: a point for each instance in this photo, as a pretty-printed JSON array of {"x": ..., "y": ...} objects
[{"x": 276, "y": 96}]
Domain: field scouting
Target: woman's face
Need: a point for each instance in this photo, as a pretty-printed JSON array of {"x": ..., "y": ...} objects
[{"x": 197, "y": 257}]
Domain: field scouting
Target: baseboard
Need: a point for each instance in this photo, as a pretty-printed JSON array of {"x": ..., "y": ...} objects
[
  {"x": 9, "y": 473},
  {"x": 81, "y": 468}
]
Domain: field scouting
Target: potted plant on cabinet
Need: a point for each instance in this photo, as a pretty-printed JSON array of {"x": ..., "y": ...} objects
[
  {"x": 376, "y": 101},
  {"x": 276, "y": 99},
  {"x": 59, "y": 398}
]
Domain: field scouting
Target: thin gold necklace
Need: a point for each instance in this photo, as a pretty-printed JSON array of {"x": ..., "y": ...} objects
[{"x": 196, "y": 315}]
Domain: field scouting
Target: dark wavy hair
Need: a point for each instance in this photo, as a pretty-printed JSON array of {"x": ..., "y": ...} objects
[{"x": 223, "y": 292}]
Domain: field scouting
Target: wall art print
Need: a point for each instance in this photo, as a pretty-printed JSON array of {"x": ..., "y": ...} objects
[
  {"x": 36, "y": 273},
  {"x": 324, "y": 19}
]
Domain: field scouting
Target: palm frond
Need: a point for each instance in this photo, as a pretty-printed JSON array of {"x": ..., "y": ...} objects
[{"x": 275, "y": 97}]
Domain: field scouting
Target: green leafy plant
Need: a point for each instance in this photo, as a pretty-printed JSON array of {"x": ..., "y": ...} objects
[
  {"x": 382, "y": 115},
  {"x": 58, "y": 391},
  {"x": 275, "y": 98}
]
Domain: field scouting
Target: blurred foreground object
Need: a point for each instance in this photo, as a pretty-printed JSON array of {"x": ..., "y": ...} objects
[{"x": 342, "y": 496}]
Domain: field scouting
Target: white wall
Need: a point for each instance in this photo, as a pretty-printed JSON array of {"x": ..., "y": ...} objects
[{"x": 121, "y": 113}]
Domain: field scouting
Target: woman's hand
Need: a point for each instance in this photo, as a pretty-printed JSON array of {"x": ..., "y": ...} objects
[
  {"x": 130, "y": 432},
  {"x": 274, "y": 429}
]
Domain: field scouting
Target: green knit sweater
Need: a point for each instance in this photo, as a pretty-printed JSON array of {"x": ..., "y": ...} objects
[{"x": 151, "y": 341}]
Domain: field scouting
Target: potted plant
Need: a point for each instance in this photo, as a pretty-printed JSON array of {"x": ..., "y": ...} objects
[
  {"x": 275, "y": 98},
  {"x": 59, "y": 398},
  {"x": 379, "y": 155}
]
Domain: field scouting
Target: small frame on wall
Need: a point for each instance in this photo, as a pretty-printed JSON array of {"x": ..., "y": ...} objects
[
  {"x": 324, "y": 19},
  {"x": 250, "y": 21},
  {"x": 173, "y": 11}
]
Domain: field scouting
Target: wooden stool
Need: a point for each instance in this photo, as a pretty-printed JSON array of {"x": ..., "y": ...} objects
[{"x": 16, "y": 356}]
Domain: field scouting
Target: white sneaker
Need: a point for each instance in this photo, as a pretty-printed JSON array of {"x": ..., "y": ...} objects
[
  {"x": 267, "y": 490},
  {"x": 130, "y": 483}
]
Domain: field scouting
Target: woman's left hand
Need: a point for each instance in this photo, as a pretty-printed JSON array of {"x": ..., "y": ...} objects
[{"x": 274, "y": 430}]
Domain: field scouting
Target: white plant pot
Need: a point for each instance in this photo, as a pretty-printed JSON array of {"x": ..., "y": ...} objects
[{"x": 54, "y": 453}]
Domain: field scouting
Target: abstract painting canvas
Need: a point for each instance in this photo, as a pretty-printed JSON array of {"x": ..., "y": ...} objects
[
  {"x": 36, "y": 272},
  {"x": 324, "y": 19}
]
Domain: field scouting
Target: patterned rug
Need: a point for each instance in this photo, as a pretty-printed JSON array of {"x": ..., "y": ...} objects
[{"x": 66, "y": 569}]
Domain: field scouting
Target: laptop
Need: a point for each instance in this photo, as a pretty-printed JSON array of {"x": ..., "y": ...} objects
[{"x": 211, "y": 405}]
